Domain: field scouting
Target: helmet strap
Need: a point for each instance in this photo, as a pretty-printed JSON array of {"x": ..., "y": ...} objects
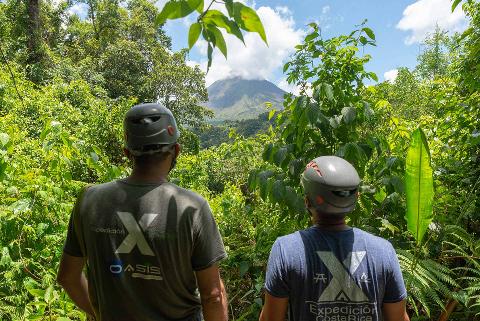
[
  {"x": 172, "y": 165},
  {"x": 174, "y": 159}
]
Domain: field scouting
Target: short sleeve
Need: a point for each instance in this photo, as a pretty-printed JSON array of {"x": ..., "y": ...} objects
[
  {"x": 207, "y": 242},
  {"x": 72, "y": 245},
  {"x": 395, "y": 290},
  {"x": 277, "y": 273}
]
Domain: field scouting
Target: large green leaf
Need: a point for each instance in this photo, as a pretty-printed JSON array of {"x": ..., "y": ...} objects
[
  {"x": 177, "y": 9},
  {"x": 193, "y": 34},
  {"x": 418, "y": 186},
  {"x": 219, "y": 40},
  {"x": 248, "y": 20}
]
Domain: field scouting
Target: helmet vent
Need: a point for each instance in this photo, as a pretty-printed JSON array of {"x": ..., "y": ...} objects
[
  {"x": 345, "y": 193},
  {"x": 314, "y": 165},
  {"x": 146, "y": 120}
]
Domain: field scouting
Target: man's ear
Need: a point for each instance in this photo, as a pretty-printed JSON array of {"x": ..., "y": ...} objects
[
  {"x": 178, "y": 149},
  {"x": 307, "y": 202}
]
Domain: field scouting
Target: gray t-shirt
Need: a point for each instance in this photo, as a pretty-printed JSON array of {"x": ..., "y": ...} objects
[
  {"x": 341, "y": 276},
  {"x": 143, "y": 243}
]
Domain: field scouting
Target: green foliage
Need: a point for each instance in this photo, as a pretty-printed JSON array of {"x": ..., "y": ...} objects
[
  {"x": 418, "y": 186},
  {"x": 65, "y": 130},
  {"x": 240, "y": 17}
]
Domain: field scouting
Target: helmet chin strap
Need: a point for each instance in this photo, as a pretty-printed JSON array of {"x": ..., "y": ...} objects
[
  {"x": 174, "y": 160},
  {"x": 172, "y": 165}
]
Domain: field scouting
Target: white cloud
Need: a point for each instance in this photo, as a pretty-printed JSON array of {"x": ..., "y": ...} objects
[
  {"x": 289, "y": 88},
  {"x": 80, "y": 9},
  {"x": 325, "y": 9},
  {"x": 255, "y": 60},
  {"x": 421, "y": 17},
  {"x": 391, "y": 75}
]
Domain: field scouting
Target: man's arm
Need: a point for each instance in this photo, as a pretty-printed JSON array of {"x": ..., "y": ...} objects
[
  {"x": 212, "y": 294},
  {"x": 395, "y": 311},
  {"x": 70, "y": 276},
  {"x": 274, "y": 309}
]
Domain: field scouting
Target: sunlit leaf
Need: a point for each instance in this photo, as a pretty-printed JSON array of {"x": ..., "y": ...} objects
[
  {"x": 369, "y": 33},
  {"x": 418, "y": 186},
  {"x": 177, "y": 9},
  {"x": 193, "y": 34},
  {"x": 248, "y": 20}
]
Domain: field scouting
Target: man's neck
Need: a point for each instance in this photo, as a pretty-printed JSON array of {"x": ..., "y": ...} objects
[
  {"x": 148, "y": 176},
  {"x": 331, "y": 223}
]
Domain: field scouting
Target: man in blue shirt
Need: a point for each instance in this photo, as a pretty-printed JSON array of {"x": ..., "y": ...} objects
[{"x": 331, "y": 271}]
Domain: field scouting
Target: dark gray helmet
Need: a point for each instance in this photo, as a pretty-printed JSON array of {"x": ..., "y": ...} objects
[
  {"x": 149, "y": 128},
  {"x": 331, "y": 185}
]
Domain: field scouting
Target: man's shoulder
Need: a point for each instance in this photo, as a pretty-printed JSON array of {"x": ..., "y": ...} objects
[
  {"x": 289, "y": 240},
  {"x": 371, "y": 238},
  {"x": 185, "y": 195}
]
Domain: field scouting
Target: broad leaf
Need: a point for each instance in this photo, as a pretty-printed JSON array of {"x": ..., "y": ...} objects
[
  {"x": 278, "y": 191},
  {"x": 369, "y": 33},
  {"x": 4, "y": 139},
  {"x": 218, "y": 19},
  {"x": 193, "y": 34},
  {"x": 219, "y": 40},
  {"x": 328, "y": 91},
  {"x": 455, "y": 4},
  {"x": 418, "y": 186},
  {"x": 248, "y": 20},
  {"x": 177, "y": 9},
  {"x": 349, "y": 114}
]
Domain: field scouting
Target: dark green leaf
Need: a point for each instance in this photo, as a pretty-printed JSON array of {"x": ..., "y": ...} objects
[
  {"x": 373, "y": 76},
  {"x": 278, "y": 191},
  {"x": 328, "y": 91},
  {"x": 280, "y": 156},
  {"x": 177, "y": 9},
  {"x": 363, "y": 40},
  {"x": 311, "y": 36},
  {"x": 244, "y": 266},
  {"x": 193, "y": 34},
  {"x": 369, "y": 33},
  {"x": 252, "y": 177},
  {"x": 312, "y": 113},
  {"x": 219, "y": 40},
  {"x": 229, "y": 5},
  {"x": 349, "y": 114},
  {"x": 455, "y": 4},
  {"x": 197, "y": 5},
  {"x": 209, "y": 55},
  {"x": 267, "y": 152}
]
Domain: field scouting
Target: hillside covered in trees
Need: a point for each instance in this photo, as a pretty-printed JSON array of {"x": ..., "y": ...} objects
[{"x": 66, "y": 83}]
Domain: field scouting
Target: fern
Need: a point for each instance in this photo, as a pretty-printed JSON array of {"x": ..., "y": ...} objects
[{"x": 428, "y": 282}]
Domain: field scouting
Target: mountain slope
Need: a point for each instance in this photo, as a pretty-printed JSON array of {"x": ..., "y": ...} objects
[{"x": 238, "y": 98}]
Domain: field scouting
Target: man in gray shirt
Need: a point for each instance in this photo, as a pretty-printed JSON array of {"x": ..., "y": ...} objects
[
  {"x": 331, "y": 271},
  {"x": 149, "y": 245}
]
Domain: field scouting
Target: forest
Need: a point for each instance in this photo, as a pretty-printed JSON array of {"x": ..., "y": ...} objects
[{"x": 66, "y": 83}]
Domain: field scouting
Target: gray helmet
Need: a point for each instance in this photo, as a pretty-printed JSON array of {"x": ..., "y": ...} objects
[
  {"x": 149, "y": 128},
  {"x": 331, "y": 184}
]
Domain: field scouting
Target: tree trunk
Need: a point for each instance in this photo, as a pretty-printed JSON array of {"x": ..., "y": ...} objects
[
  {"x": 451, "y": 305},
  {"x": 33, "y": 31}
]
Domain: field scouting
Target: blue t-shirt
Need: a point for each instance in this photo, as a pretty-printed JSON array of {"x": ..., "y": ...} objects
[{"x": 334, "y": 276}]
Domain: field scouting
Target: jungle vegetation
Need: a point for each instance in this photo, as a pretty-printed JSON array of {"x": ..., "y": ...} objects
[{"x": 66, "y": 82}]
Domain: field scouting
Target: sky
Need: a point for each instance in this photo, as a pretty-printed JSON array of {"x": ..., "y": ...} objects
[{"x": 399, "y": 26}]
